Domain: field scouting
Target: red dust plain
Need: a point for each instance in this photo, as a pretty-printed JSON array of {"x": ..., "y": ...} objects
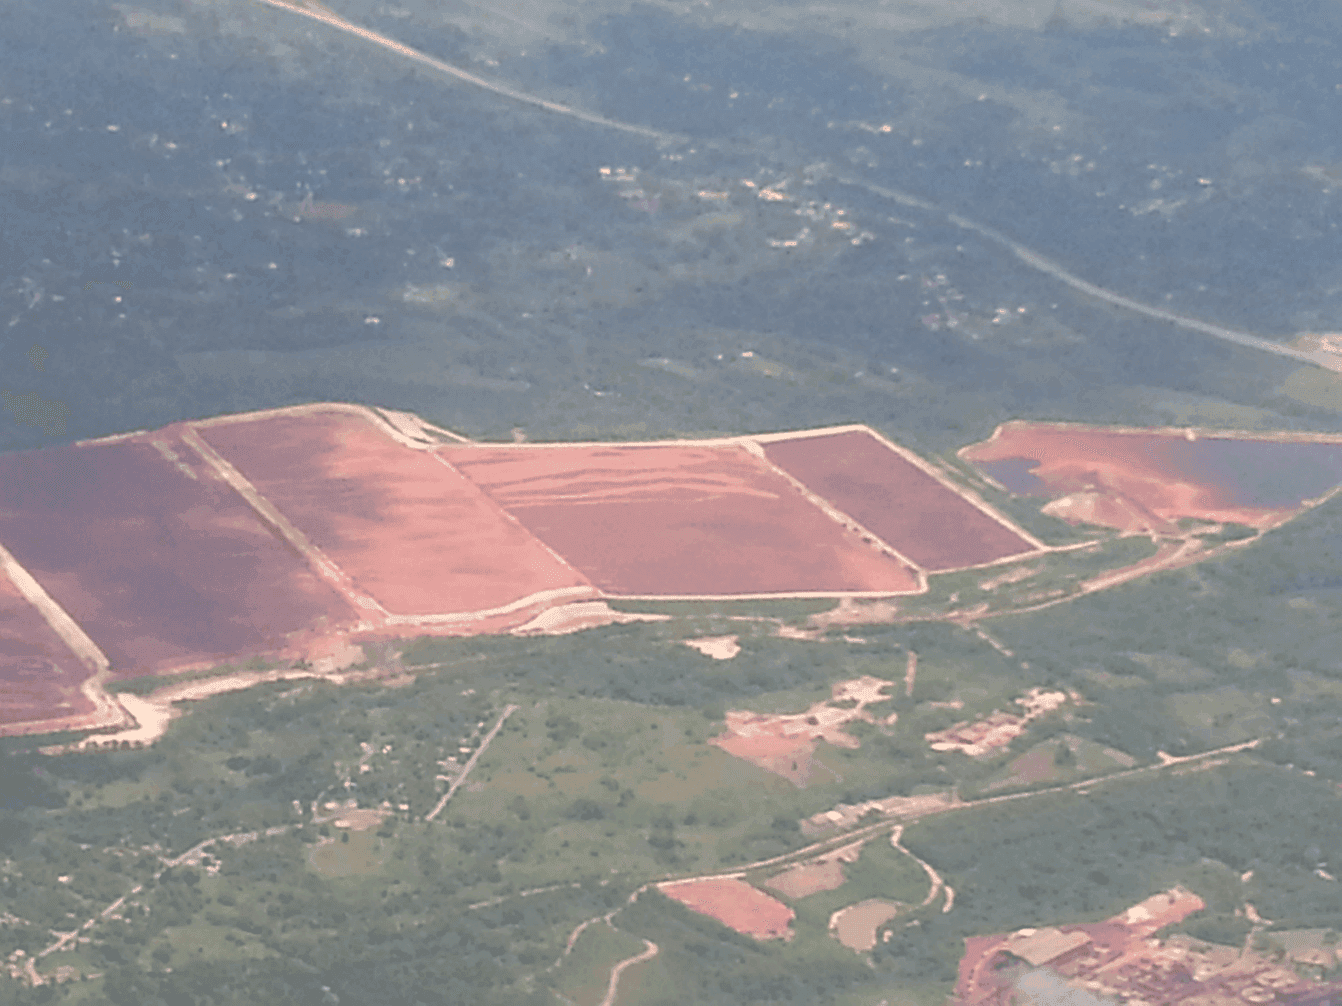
[
  {"x": 896, "y": 500},
  {"x": 296, "y": 532},
  {"x": 162, "y": 565},
  {"x": 1144, "y": 480},
  {"x": 736, "y": 905},
  {"x": 406, "y": 528},
  {"x": 658, "y": 521},
  {"x": 39, "y": 677}
]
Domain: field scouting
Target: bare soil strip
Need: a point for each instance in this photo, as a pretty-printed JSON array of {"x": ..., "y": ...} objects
[
  {"x": 581, "y": 615},
  {"x": 414, "y": 429},
  {"x": 470, "y": 764},
  {"x": 539, "y": 598},
  {"x": 717, "y": 647},
  {"x": 933, "y": 877},
  {"x": 335, "y": 21},
  {"x": 647, "y": 955}
]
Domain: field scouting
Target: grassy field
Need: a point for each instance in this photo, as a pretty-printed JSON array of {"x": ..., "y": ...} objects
[
  {"x": 881, "y": 871},
  {"x": 604, "y": 778},
  {"x": 584, "y": 975},
  {"x": 1044, "y": 764}
]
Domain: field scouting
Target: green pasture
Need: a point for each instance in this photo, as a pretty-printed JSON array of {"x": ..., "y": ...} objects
[
  {"x": 1063, "y": 759},
  {"x": 584, "y": 975},
  {"x": 880, "y": 871},
  {"x": 1222, "y": 716}
]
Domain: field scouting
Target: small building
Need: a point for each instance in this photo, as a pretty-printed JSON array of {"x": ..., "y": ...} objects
[{"x": 1038, "y": 947}]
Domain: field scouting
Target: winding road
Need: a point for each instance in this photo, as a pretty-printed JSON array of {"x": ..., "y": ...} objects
[{"x": 318, "y": 12}]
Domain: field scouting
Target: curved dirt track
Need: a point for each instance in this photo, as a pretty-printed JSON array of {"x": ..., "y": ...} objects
[
  {"x": 320, "y": 13},
  {"x": 647, "y": 955}
]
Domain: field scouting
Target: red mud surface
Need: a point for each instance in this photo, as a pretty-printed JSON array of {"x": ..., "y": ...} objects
[
  {"x": 161, "y": 570},
  {"x": 678, "y": 520},
  {"x": 1160, "y": 474},
  {"x": 408, "y": 529},
  {"x": 39, "y": 676},
  {"x": 736, "y": 905},
  {"x": 895, "y": 500}
]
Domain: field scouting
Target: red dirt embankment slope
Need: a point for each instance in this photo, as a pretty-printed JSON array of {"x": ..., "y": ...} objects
[{"x": 736, "y": 905}]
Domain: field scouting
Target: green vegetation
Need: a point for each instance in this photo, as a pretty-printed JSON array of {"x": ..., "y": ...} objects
[
  {"x": 584, "y": 975},
  {"x": 700, "y": 961},
  {"x": 1229, "y": 532},
  {"x": 880, "y": 872},
  {"x": 715, "y": 611},
  {"x": 603, "y": 778},
  {"x": 1070, "y": 857}
]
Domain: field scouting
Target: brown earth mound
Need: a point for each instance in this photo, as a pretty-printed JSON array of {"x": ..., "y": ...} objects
[{"x": 800, "y": 881}]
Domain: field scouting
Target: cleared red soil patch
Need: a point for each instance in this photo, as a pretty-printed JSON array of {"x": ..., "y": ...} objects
[
  {"x": 39, "y": 676},
  {"x": 788, "y": 756},
  {"x": 736, "y": 905},
  {"x": 912, "y": 512},
  {"x": 678, "y": 520},
  {"x": 1143, "y": 479},
  {"x": 785, "y": 744},
  {"x": 409, "y": 530},
  {"x": 161, "y": 569}
]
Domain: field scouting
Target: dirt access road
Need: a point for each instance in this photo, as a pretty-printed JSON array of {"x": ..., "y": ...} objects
[
  {"x": 470, "y": 764},
  {"x": 895, "y": 827}
]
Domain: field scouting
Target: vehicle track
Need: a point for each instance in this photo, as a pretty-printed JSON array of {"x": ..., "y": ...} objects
[{"x": 470, "y": 764}]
